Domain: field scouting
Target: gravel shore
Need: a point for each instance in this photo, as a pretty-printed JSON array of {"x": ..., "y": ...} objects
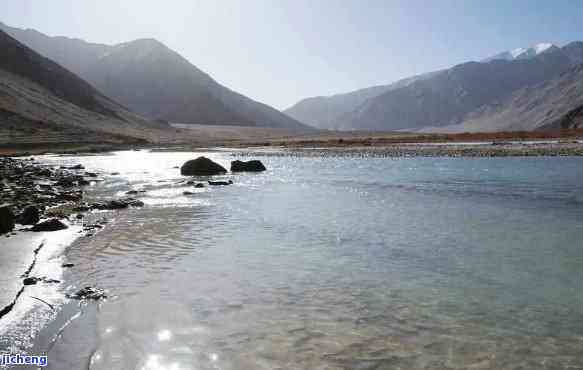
[{"x": 496, "y": 149}]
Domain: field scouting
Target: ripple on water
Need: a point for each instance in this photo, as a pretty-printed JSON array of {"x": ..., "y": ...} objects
[{"x": 338, "y": 263}]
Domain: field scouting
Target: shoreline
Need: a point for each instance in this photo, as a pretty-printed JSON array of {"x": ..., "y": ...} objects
[
  {"x": 346, "y": 143},
  {"x": 456, "y": 150},
  {"x": 46, "y": 215}
]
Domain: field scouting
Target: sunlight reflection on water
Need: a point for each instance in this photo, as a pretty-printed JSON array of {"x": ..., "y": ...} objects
[{"x": 336, "y": 264}]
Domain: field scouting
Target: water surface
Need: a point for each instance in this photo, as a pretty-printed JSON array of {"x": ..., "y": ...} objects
[{"x": 335, "y": 263}]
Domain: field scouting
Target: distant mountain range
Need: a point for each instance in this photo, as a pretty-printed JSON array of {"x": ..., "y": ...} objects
[
  {"x": 472, "y": 92},
  {"x": 154, "y": 81},
  {"x": 40, "y": 101},
  {"x": 67, "y": 87},
  {"x": 556, "y": 103},
  {"x": 325, "y": 111}
]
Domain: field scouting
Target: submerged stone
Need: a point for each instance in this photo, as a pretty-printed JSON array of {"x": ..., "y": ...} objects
[{"x": 220, "y": 183}]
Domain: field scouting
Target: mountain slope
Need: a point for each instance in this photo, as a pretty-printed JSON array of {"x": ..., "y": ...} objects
[
  {"x": 557, "y": 103},
  {"x": 149, "y": 78},
  {"x": 38, "y": 95},
  {"x": 324, "y": 111},
  {"x": 441, "y": 98},
  {"x": 446, "y": 98},
  {"x": 153, "y": 80}
]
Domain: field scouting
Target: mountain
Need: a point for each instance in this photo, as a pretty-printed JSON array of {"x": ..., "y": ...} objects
[
  {"x": 441, "y": 98},
  {"x": 556, "y": 103},
  {"x": 324, "y": 111},
  {"x": 42, "y": 101},
  {"x": 447, "y": 97},
  {"x": 523, "y": 53},
  {"x": 153, "y": 80}
]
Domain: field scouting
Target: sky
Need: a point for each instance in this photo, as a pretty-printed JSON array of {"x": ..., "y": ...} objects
[{"x": 281, "y": 51}]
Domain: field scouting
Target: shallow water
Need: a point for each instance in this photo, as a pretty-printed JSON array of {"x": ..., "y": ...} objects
[{"x": 336, "y": 263}]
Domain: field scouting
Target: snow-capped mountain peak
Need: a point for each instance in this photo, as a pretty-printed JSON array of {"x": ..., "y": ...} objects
[{"x": 523, "y": 53}]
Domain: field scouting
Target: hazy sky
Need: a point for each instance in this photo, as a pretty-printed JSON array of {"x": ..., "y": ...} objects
[{"x": 280, "y": 51}]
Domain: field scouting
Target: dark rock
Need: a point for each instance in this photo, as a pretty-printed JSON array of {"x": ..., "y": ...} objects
[
  {"x": 81, "y": 208},
  {"x": 6, "y": 219},
  {"x": 45, "y": 172},
  {"x": 83, "y": 182},
  {"x": 132, "y": 192},
  {"x": 201, "y": 166},
  {"x": 110, "y": 205},
  {"x": 90, "y": 174},
  {"x": 220, "y": 183},
  {"x": 199, "y": 185},
  {"x": 117, "y": 204},
  {"x": 67, "y": 182},
  {"x": 77, "y": 167},
  {"x": 114, "y": 173},
  {"x": 30, "y": 216},
  {"x": 88, "y": 293},
  {"x": 69, "y": 196},
  {"x": 49, "y": 225},
  {"x": 31, "y": 281},
  {"x": 249, "y": 166},
  {"x": 187, "y": 193},
  {"x": 67, "y": 265}
]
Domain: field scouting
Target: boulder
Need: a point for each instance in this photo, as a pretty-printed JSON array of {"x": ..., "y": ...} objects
[
  {"x": 30, "y": 216},
  {"x": 49, "y": 225},
  {"x": 201, "y": 166},
  {"x": 31, "y": 281},
  {"x": 199, "y": 185},
  {"x": 6, "y": 219},
  {"x": 249, "y": 166}
]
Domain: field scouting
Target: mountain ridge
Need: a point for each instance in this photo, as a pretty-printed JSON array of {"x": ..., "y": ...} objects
[
  {"x": 166, "y": 86},
  {"x": 41, "y": 100},
  {"x": 444, "y": 98}
]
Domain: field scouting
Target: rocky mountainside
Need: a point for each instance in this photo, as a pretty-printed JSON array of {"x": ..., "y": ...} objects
[
  {"x": 324, "y": 112},
  {"x": 153, "y": 80},
  {"x": 556, "y": 103},
  {"x": 449, "y": 96},
  {"x": 442, "y": 98},
  {"x": 42, "y": 101}
]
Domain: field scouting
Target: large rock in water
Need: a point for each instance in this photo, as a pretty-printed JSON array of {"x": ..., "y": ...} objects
[
  {"x": 201, "y": 166},
  {"x": 249, "y": 166},
  {"x": 6, "y": 219}
]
